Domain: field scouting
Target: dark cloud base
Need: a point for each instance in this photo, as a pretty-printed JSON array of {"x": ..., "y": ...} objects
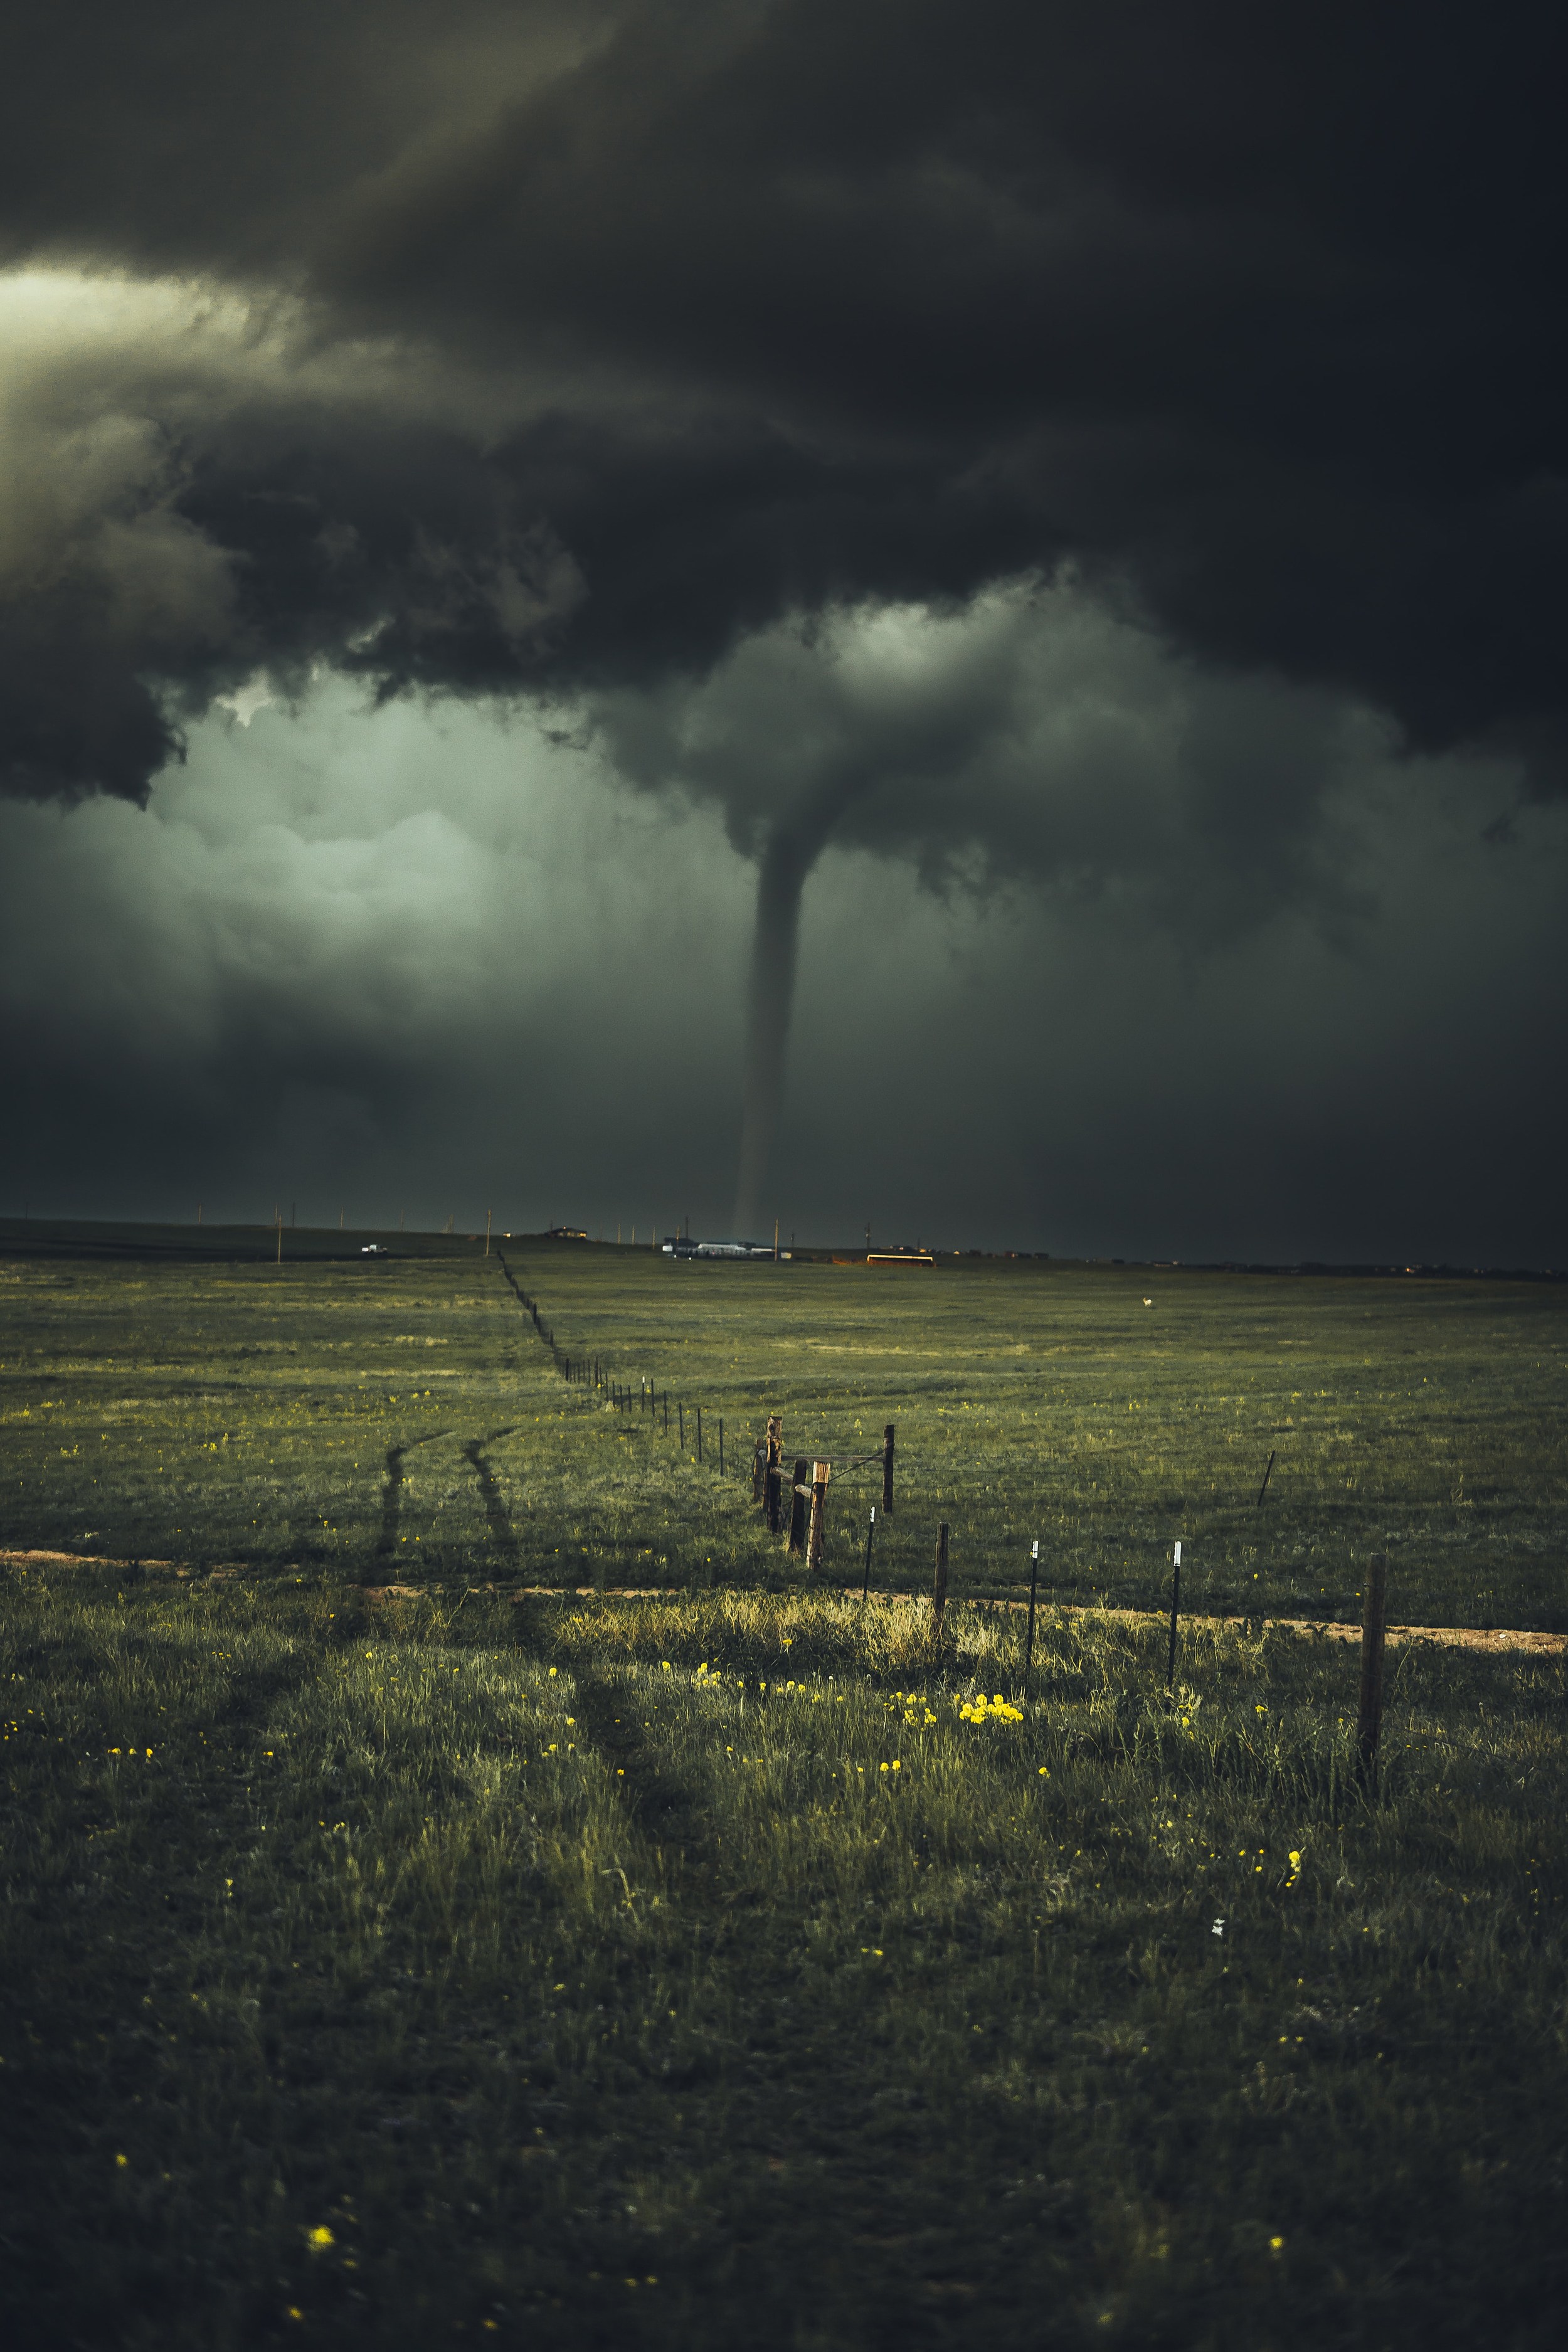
[{"x": 806, "y": 304}]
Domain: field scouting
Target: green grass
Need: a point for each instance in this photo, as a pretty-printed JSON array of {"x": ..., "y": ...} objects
[
  {"x": 576, "y": 1966},
  {"x": 404, "y": 1420},
  {"x": 583, "y": 1972}
]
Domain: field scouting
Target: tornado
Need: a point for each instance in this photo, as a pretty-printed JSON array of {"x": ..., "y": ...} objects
[{"x": 793, "y": 849}]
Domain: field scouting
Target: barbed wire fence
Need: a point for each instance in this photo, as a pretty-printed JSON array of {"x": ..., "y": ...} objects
[{"x": 672, "y": 1415}]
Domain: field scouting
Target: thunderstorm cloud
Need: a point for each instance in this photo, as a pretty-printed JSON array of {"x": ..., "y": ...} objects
[{"x": 978, "y": 591}]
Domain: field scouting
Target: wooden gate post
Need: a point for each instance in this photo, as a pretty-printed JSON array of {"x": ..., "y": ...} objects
[
  {"x": 820, "y": 1473},
  {"x": 800, "y": 1495},
  {"x": 939, "y": 1589},
  {"x": 773, "y": 1479},
  {"x": 1369, "y": 1723},
  {"x": 887, "y": 1469}
]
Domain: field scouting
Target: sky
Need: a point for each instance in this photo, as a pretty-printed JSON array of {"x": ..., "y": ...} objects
[{"x": 941, "y": 619}]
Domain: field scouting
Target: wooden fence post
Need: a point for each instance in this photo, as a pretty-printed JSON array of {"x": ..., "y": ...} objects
[
  {"x": 773, "y": 1477},
  {"x": 820, "y": 1473},
  {"x": 888, "y": 1470},
  {"x": 1369, "y": 1723},
  {"x": 800, "y": 1495},
  {"x": 939, "y": 1588}
]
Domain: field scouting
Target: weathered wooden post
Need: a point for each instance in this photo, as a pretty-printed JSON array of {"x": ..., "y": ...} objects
[
  {"x": 821, "y": 1471},
  {"x": 1369, "y": 1723},
  {"x": 887, "y": 1470},
  {"x": 800, "y": 1495},
  {"x": 773, "y": 1478},
  {"x": 939, "y": 1589}
]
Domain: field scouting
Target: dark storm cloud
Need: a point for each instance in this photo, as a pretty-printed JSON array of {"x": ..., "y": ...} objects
[
  {"x": 1096, "y": 462},
  {"x": 1252, "y": 315}
]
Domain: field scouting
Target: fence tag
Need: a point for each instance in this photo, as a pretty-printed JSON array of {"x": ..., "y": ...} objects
[{"x": 1178, "y": 1558}]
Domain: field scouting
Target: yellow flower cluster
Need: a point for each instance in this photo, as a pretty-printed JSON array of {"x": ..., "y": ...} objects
[
  {"x": 915, "y": 1705},
  {"x": 989, "y": 1710}
]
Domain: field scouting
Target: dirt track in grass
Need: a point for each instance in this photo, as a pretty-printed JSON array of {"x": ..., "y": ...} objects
[{"x": 1448, "y": 1637}]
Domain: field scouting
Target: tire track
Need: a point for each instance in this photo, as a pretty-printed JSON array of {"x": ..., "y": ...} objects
[
  {"x": 503, "y": 1535},
  {"x": 661, "y": 1806},
  {"x": 392, "y": 1491}
]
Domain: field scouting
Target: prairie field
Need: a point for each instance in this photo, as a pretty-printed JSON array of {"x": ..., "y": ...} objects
[
  {"x": 397, "y": 1952},
  {"x": 403, "y": 1418}
]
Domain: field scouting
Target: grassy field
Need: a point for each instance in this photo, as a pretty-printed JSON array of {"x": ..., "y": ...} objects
[
  {"x": 402, "y": 1419},
  {"x": 733, "y": 1966},
  {"x": 703, "y": 1972}
]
